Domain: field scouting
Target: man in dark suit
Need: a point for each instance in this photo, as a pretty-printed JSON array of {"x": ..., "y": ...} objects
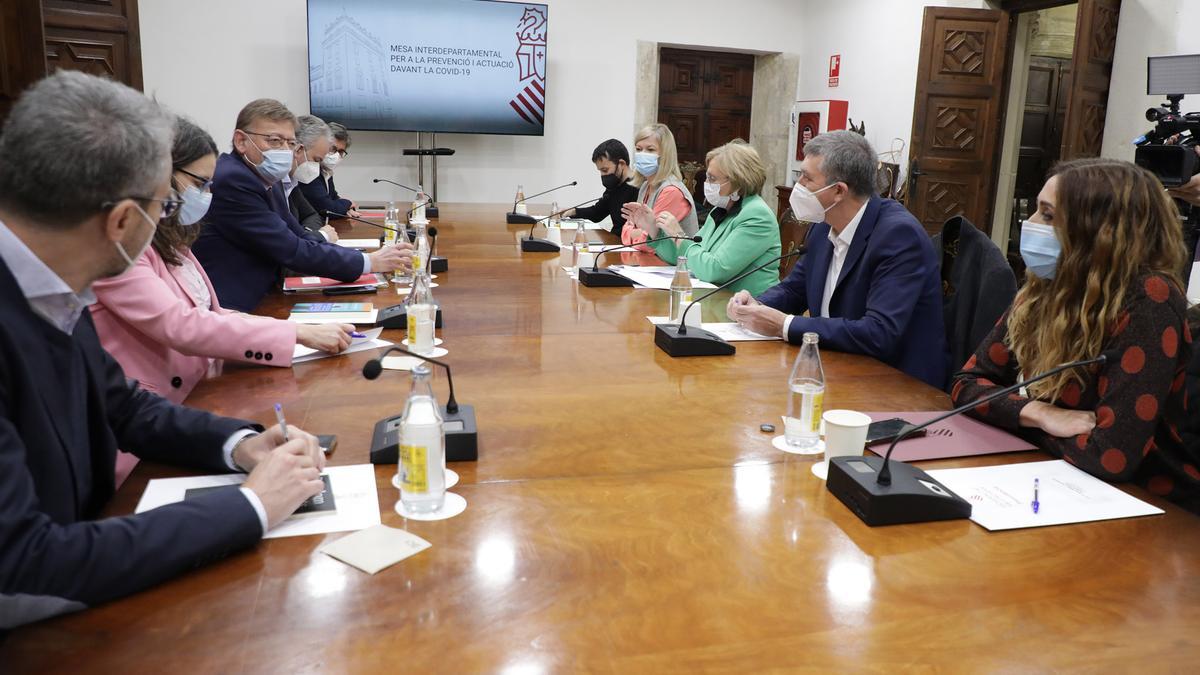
[
  {"x": 869, "y": 281},
  {"x": 249, "y": 233},
  {"x": 85, "y": 169},
  {"x": 612, "y": 161},
  {"x": 315, "y": 139},
  {"x": 322, "y": 193}
]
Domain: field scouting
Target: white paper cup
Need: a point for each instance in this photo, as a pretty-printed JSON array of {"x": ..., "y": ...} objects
[
  {"x": 693, "y": 317},
  {"x": 565, "y": 254},
  {"x": 845, "y": 432},
  {"x": 554, "y": 234},
  {"x": 586, "y": 258}
]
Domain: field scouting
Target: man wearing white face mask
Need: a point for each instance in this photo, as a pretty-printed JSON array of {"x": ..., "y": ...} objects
[
  {"x": 315, "y": 140},
  {"x": 250, "y": 236},
  {"x": 869, "y": 281},
  {"x": 84, "y": 178},
  {"x": 322, "y": 193}
]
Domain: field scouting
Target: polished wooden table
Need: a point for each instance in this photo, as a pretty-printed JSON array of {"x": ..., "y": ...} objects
[{"x": 627, "y": 515}]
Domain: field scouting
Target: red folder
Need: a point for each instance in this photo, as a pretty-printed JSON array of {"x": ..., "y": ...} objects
[
  {"x": 958, "y": 436},
  {"x": 301, "y": 284}
]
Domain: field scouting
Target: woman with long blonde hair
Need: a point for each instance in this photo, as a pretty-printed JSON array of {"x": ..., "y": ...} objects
[
  {"x": 1104, "y": 253},
  {"x": 661, "y": 192}
]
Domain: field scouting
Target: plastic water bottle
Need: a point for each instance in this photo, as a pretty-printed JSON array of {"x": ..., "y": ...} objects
[
  {"x": 554, "y": 220},
  {"x": 520, "y": 200},
  {"x": 806, "y": 396},
  {"x": 422, "y": 448},
  {"x": 681, "y": 291},
  {"x": 421, "y": 310},
  {"x": 420, "y": 259}
]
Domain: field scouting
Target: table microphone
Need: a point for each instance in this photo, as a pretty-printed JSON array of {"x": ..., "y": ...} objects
[
  {"x": 609, "y": 278},
  {"x": 674, "y": 339},
  {"x": 462, "y": 439},
  {"x": 531, "y": 245},
  {"x": 431, "y": 212},
  {"x": 881, "y": 492},
  {"x": 514, "y": 218}
]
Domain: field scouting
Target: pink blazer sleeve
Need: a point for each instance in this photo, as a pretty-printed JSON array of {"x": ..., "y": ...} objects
[{"x": 149, "y": 299}]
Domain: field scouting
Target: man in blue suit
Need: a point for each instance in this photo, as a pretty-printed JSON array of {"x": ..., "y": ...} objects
[
  {"x": 869, "y": 281},
  {"x": 250, "y": 235},
  {"x": 85, "y": 166},
  {"x": 322, "y": 193}
]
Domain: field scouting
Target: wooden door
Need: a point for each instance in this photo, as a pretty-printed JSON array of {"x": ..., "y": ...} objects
[
  {"x": 100, "y": 37},
  {"x": 1091, "y": 68},
  {"x": 704, "y": 97},
  {"x": 22, "y": 55},
  {"x": 958, "y": 116},
  {"x": 1042, "y": 123}
]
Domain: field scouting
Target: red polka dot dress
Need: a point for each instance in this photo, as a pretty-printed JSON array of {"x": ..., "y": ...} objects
[{"x": 1140, "y": 402}]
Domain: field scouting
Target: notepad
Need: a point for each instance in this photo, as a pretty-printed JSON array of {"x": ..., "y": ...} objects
[
  {"x": 375, "y": 548},
  {"x": 359, "y": 244},
  {"x": 320, "y": 504},
  {"x": 370, "y": 340}
]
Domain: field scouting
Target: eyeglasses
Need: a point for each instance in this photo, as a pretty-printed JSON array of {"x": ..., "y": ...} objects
[
  {"x": 343, "y": 153},
  {"x": 170, "y": 205},
  {"x": 275, "y": 141},
  {"x": 205, "y": 184}
]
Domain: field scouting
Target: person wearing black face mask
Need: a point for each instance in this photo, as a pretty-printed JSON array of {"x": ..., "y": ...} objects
[{"x": 612, "y": 161}]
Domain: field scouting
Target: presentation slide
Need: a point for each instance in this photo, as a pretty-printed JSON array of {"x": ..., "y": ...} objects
[{"x": 466, "y": 66}]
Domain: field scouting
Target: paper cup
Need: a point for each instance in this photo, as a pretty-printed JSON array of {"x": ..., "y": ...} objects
[
  {"x": 845, "y": 433},
  {"x": 692, "y": 318},
  {"x": 554, "y": 234},
  {"x": 586, "y": 258}
]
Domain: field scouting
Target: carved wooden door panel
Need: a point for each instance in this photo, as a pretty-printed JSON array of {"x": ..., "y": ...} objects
[
  {"x": 704, "y": 97},
  {"x": 22, "y": 57},
  {"x": 99, "y": 37},
  {"x": 958, "y": 113},
  {"x": 1091, "y": 67}
]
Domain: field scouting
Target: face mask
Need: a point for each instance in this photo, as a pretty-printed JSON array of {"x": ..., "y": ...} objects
[
  {"x": 645, "y": 163},
  {"x": 307, "y": 172},
  {"x": 275, "y": 164},
  {"x": 610, "y": 180},
  {"x": 129, "y": 261},
  {"x": 712, "y": 194},
  {"x": 195, "y": 205},
  {"x": 331, "y": 160},
  {"x": 1040, "y": 249},
  {"x": 805, "y": 205}
]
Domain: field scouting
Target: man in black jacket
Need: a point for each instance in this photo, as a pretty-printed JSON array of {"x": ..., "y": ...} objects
[
  {"x": 612, "y": 161},
  {"x": 85, "y": 167}
]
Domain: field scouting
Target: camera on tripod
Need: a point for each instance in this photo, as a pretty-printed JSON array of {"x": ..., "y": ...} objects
[{"x": 1169, "y": 149}]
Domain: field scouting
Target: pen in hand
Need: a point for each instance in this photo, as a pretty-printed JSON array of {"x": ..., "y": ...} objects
[
  {"x": 283, "y": 424},
  {"x": 1035, "y": 504}
]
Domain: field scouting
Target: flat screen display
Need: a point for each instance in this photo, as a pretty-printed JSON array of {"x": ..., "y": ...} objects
[{"x": 459, "y": 66}]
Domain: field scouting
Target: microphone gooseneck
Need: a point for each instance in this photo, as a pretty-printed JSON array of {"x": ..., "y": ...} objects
[
  {"x": 372, "y": 369},
  {"x": 885, "y": 474},
  {"x": 361, "y": 220},
  {"x": 682, "y": 328},
  {"x": 558, "y": 213},
  {"x": 544, "y": 192},
  {"x": 696, "y": 238},
  {"x": 384, "y": 180}
]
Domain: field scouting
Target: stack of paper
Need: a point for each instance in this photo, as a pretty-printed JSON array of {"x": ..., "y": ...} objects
[
  {"x": 727, "y": 331},
  {"x": 370, "y": 340},
  {"x": 360, "y": 244},
  {"x": 317, "y": 284},
  {"x": 1002, "y": 496},
  {"x": 658, "y": 278}
]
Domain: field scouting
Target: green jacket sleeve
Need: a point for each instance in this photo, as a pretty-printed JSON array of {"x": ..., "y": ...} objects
[{"x": 752, "y": 233}]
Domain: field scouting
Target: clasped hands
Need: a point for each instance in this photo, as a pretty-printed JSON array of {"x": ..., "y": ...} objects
[{"x": 753, "y": 315}]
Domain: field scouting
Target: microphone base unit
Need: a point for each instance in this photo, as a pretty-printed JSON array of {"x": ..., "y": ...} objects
[
  {"x": 396, "y": 316},
  {"x": 695, "y": 342},
  {"x": 532, "y": 245},
  {"x": 602, "y": 278},
  {"x": 438, "y": 264},
  {"x": 913, "y": 497},
  {"x": 514, "y": 218},
  {"x": 462, "y": 438}
]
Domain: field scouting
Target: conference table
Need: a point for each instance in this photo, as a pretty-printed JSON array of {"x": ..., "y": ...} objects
[{"x": 627, "y": 514}]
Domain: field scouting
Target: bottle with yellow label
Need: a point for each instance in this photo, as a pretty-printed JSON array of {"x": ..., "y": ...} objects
[
  {"x": 421, "y": 309},
  {"x": 422, "y": 463},
  {"x": 806, "y": 397}
]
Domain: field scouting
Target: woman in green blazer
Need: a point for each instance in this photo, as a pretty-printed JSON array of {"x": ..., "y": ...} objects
[{"x": 741, "y": 232}]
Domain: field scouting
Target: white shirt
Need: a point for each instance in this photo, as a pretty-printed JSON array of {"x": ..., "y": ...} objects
[{"x": 841, "y": 247}]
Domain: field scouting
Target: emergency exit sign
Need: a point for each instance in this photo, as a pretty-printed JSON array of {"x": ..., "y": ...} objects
[{"x": 835, "y": 69}]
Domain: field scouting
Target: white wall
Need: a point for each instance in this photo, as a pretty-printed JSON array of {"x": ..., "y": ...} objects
[
  {"x": 1146, "y": 28},
  {"x": 880, "y": 44},
  {"x": 208, "y": 58}
]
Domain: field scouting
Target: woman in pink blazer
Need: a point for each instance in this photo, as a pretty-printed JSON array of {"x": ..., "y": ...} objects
[{"x": 162, "y": 320}]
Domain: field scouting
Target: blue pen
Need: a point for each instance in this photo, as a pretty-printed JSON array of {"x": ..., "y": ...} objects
[
  {"x": 356, "y": 334},
  {"x": 283, "y": 423},
  {"x": 1036, "y": 504}
]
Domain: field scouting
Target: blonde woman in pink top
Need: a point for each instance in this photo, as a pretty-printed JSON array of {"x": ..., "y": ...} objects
[{"x": 660, "y": 191}]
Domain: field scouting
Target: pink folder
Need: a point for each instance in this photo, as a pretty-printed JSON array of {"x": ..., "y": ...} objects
[{"x": 958, "y": 436}]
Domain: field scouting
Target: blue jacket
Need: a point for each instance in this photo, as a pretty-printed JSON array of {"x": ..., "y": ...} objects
[
  {"x": 65, "y": 408},
  {"x": 324, "y": 196},
  {"x": 250, "y": 235},
  {"x": 888, "y": 300}
]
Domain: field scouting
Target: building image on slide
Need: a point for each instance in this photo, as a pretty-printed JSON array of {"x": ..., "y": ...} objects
[{"x": 351, "y": 76}]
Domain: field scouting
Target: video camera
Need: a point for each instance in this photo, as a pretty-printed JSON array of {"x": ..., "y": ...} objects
[{"x": 1169, "y": 149}]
